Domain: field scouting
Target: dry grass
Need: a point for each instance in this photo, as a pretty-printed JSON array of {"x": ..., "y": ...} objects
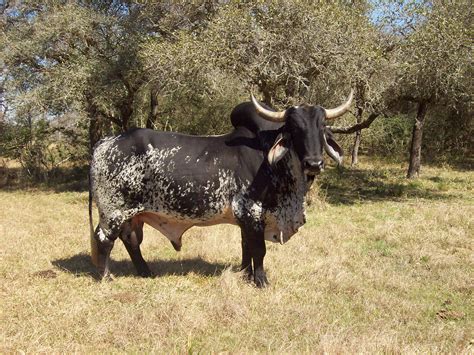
[{"x": 383, "y": 265}]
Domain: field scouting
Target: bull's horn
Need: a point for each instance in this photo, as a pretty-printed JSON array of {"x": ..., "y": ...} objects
[
  {"x": 267, "y": 114},
  {"x": 340, "y": 110}
]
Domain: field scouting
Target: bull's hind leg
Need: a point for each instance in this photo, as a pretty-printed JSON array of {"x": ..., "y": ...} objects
[
  {"x": 132, "y": 237},
  {"x": 101, "y": 247}
]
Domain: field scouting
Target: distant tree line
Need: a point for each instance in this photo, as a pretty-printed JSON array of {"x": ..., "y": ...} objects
[{"x": 75, "y": 71}]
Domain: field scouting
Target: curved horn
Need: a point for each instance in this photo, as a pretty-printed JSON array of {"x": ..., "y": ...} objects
[
  {"x": 339, "y": 110},
  {"x": 267, "y": 114}
]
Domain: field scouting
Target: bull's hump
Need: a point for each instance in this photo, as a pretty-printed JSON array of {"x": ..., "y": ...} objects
[{"x": 245, "y": 115}]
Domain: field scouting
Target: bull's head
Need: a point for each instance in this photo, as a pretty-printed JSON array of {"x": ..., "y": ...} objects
[{"x": 305, "y": 130}]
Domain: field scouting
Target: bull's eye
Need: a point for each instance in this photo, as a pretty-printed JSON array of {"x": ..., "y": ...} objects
[{"x": 275, "y": 237}]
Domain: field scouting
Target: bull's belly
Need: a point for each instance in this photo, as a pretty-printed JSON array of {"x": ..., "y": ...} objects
[{"x": 173, "y": 227}]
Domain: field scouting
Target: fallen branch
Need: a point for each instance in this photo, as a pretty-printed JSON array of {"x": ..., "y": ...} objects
[{"x": 356, "y": 127}]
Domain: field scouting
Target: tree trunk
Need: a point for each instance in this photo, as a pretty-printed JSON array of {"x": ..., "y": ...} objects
[
  {"x": 125, "y": 115},
  {"x": 359, "y": 111},
  {"x": 152, "y": 118},
  {"x": 94, "y": 132},
  {"x": 417, "y": 135},
  {"x": 267, "y": 97},
  {"x": 94, "y": 124},
  {"x": 126, "y": 112},
  {"x": 355, "y": 149}
]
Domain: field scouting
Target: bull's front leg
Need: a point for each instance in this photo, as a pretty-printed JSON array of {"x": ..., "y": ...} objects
[
  {"x": 253, "y": 247},
  {"x": 258, "y": 250},
  {"x": 246, "y": 266}
]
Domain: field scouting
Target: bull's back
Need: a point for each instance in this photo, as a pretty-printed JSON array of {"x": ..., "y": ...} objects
[{"x": 186, "y": 176}]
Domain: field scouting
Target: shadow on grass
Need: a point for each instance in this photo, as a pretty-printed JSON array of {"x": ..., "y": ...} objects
[
  {"x": 72, "y": 179},
  {"x": 350, "y": 186},
  {"x": 81, "y": 265},
  {"x": 464, "y": 164}
]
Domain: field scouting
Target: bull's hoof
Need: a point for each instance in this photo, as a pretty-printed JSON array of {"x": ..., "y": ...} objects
[
  {"x": 247, "y": 274},
  {"x": 261, "y": 280},
  {"x": 107, "y": 277}
]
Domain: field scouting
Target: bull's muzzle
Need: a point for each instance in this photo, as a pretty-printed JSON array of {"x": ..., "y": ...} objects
[{"x": 313, "y": 166}]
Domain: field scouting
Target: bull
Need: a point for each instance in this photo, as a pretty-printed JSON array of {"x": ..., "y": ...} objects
[{"x": 255, "y": 177}]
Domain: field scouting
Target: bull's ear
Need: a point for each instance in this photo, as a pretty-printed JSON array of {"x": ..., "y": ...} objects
[
  {"x": 333, "y": 149},
  {"x": 278, "y": 150}
]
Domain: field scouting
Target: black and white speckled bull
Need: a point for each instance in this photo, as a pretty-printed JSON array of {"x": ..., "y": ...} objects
[{"x": 255, "y": 177}]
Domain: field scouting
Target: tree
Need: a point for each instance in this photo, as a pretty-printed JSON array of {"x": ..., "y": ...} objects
[
  {"x": 436, "y": 64},
  {"x": 249, "y": 45},
  {"x": 175, "y": 66},
  {"x": 85, "y": 56},
  {"x": 329, "y": 48}
]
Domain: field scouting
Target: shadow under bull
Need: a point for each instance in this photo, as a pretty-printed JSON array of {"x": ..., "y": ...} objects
[{"x": 80, "y": 265}]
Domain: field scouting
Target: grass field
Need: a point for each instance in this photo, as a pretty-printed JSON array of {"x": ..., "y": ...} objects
[{"x": 383, "y": 265}]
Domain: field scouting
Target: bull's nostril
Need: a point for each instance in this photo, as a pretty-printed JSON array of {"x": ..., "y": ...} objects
[{"x": 314, "y": 164}]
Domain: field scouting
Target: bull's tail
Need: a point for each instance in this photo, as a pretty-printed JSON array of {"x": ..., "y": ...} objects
[{"x": 94, "y": 246}]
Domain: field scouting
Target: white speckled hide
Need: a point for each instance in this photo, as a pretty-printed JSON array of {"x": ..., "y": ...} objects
[{"x": 172, "y": 191}]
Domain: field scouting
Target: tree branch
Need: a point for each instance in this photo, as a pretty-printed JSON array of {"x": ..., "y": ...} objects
[{"x": 356, "y": 127}]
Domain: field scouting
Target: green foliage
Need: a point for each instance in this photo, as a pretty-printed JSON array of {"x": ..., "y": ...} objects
[
  {"x": 448, "y": 135},
  {"x": 43, "y": 149},
  {"x": 389, "y": 137},
  {"x": 183, "y": 67},
  {"x": 436, "y": 58}
]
